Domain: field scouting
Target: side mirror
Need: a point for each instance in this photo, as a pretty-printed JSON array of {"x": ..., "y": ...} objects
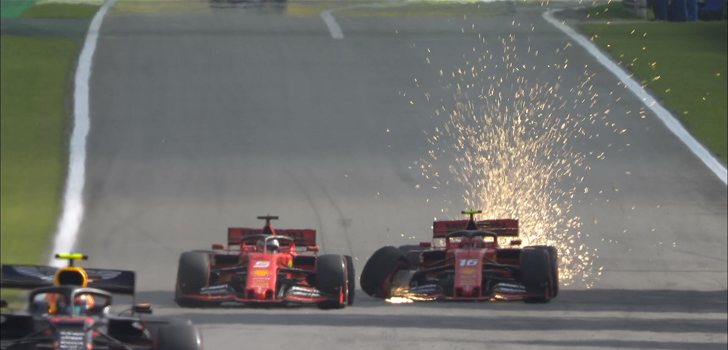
[
  {"x": 425, "y": 244},
  {"x": 515, "y": 242},
  {"x": 218, "y": 246},
  {"x": 142, "y": 309}
]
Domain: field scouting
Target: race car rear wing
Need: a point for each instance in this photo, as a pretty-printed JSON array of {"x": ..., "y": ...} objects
[
  {"x": 301, "y": 237},
  {"x": 502, "y": 227},
  {"x": 36, "y": 276}
]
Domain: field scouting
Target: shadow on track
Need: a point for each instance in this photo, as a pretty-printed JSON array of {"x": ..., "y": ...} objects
[
  {"x": 691, "y": 310},
  {"x": 616, "y": 344},
  {"x": 660, "y": 312},
  {"x": 444, "y": 322},
  {"x": 568, "y": 300}
]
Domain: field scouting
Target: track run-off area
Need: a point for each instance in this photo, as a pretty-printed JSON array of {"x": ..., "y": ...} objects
[{"x": 366, "y": 121}]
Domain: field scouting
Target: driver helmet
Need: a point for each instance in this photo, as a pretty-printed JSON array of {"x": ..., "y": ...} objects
[
  {"x": 272, "y": 245},
  {"x": 83, "y": 304},
  {"x": 51, "y": 302},
  {"x": 465, "y": 243}
]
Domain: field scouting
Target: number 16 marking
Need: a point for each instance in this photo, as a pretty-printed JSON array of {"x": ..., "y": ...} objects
[{"x": 468, "y": 262}]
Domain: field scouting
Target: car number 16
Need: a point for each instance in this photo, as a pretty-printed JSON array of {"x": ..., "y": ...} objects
[{"x": 468, "y": 262}]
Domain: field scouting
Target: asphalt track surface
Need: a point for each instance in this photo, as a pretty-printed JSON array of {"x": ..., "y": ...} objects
[{"x": 204, "y": 116}]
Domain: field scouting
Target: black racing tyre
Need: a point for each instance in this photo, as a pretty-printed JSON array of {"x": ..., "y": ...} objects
[
  {"x": 536, "y": 274},
  {"x": 331, "y": 275},
  {"x": 350, "y": 279},
  {"x": 178, "y": 337},
  {"x": 408, "y": 248},
  {"x": 554, "y": 257},
  {"x": 412, "y": 252},
  {"x": 379, "y": 270},
  {"x": 176, "y": 322},
  {"x": 193, "y": 273}
]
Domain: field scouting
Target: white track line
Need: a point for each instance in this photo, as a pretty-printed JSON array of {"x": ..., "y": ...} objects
[
  {"x": 70, "y": 221},
  {"x": 334, "y": 28},
  {"x": 665, "y": 116}
]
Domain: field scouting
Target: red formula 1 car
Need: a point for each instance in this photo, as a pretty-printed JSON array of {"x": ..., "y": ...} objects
[
  {"x": 464, "y": 262},
  {"x": 265, "y": 266}
]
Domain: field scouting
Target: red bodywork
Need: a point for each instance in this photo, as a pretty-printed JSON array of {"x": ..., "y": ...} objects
[
  {"x": 248, "y": 272},
  {"x": 470, "y": 256},
  {"x": 466, "y": 262}
]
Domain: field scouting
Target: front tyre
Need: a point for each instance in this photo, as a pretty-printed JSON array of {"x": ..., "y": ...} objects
[
  {"x": 537, "y": 274},
  {"x": 331, "y": 280},
  {"x": 412, "y": 252},
  {"x": 193, "y": 273},
  {"x": 554, "y": 257},
  {"x": 350, "y": 279},
  {"x": 178, "y": 337},
  {"x": 376, "y": 278}
]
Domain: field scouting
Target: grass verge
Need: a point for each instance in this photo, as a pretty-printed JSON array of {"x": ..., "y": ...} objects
[
  {"x": 614, "y": 10},
  {"x": 434, "y": 9},
  {"x": 683, "y": 64},
  {"x": 13, "y": 8},
  {"x": 35, "y": 74},
  {"x": 58, "y": 10},
  {"x": 35, "y": 83}
]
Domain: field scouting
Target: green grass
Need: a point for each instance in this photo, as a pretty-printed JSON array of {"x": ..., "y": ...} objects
[
  {"x": 13, "y": 8},
  {"x": 434, "y": 9},
  {"x": 33, "y": 118},
  {"x": 35, "y": 91},
  {"x": 683, "y": 64},
  {"x": 55, "y": 10},
  {"x": 614, "y": 10}
]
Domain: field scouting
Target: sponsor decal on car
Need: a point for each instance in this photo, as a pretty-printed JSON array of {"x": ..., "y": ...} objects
[
  {"x": 509, "y": 288},
  {"x": 426, "y": 289},
  {"x": 261, "y": 264},
  {"x": 468, "y": 271},
  {"x": 220, "y": 289},
  {"x": 304, "y": 292},
  {"x": 71, "y": 339}
]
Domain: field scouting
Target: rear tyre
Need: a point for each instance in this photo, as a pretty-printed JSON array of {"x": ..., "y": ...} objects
[
  {"x": 380, "y": 268},
  {"x": 537, "y": 274},
  {"x": 331, "y": 275},
  {"x": 179, "y": 337},
  {"x": 350, "y": 279},
  {"x": 193, "y": 273}
]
